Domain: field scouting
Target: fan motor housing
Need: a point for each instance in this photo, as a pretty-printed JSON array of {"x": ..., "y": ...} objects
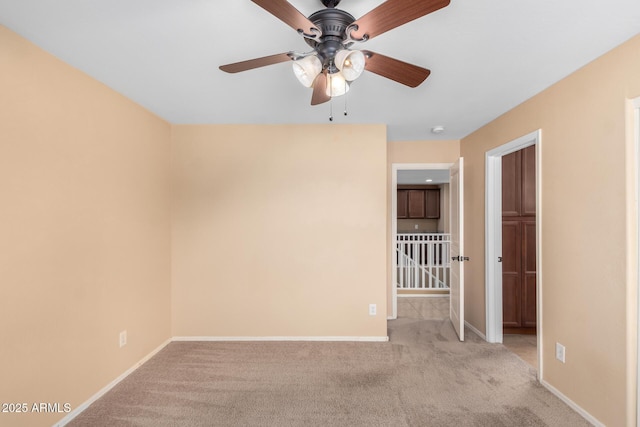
[{"x": 333, "y": 23}]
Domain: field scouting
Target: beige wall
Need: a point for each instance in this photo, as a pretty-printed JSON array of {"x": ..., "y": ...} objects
[
  {"x": 279, "y": 230},
  {"x": 585, "y": 205},
  {"x": 445, "y": 151},
  {"x": 85, "y": 249},
  {"x": 443, "y": 222},
  {"x": 84, "y": 252}
]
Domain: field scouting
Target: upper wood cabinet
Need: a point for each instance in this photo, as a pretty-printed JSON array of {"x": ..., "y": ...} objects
[
  {"x": 432, "y": 204},
  {"x": 402, "y": 203},
  {"x": 418, "y": 203}
]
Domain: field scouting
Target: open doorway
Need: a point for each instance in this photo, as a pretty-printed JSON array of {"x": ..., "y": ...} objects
[
  {"x": 494, "y": 241},
  {"x": 419, "y": 227}
]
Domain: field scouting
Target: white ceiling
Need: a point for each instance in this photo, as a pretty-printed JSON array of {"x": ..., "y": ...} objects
[
  {"x": 486, "y": 56},
  {"x": 437, "y": 176}
]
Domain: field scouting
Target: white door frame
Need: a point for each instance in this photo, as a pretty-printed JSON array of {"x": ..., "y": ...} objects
[
  {"x": 493, "y": 237},
  {"x": 636, "y": 129},
  {"x": 395, "y": 167}
]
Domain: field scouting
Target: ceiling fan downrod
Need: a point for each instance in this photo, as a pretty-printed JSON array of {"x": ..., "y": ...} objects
[{"x": 330, "y": 3}]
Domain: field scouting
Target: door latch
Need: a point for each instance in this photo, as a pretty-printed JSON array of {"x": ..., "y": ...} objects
[{"x": 460, "y": 258}]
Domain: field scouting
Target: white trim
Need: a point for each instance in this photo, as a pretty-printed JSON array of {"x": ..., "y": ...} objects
[
  {"x": 284, "y": 338},
  {"x": 423, "y": 296},
  {"x": 475, "y": 330},
  {"x": 587, "y": 416},
  {"x": 395, "y": 167},
  {"x": 71, "y": 415},
  {"x": 493, "y": 249},
  {"x": 636, "y": 125},
  {"x": 493, "y": 237}
]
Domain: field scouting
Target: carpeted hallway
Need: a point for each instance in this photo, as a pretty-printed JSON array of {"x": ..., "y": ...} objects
[{"x": 422, "y": 377}]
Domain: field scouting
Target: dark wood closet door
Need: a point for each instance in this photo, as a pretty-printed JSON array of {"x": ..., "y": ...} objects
[
  {"x": 519, "y": 241},
  {"x": 529, "y": 273},
  {"x": 529, "y": 181},
  {"x": 511, "y": 184},
  {"x": 511, "y": 274}
]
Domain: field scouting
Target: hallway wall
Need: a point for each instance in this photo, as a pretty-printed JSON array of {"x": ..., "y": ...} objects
[
  {"x": 587, "y": 265},
  {"x": 84, "y": 226}
]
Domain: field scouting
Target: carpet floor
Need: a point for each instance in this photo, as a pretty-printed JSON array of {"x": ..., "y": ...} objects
[{"x": 423, "y": 377}]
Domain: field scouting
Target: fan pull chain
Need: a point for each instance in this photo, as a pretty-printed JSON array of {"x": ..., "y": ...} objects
[
  {"x": 345, "y": 98},
  {"x": 331, "y": 109}
]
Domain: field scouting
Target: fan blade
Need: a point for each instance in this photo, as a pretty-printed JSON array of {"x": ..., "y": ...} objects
[
  {"x": 392, "y": 14},
  {"x": 256, "y": 63},
  {"x": 320, "y": 90},
  {"x": 288, "y": 14},
  {"x": 401, "y": 72}
]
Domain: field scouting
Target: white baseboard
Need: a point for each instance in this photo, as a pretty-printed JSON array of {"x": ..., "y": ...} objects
[
  {"x": 71, "y": 415},
  {"x": 275, "y": 338},
  {"x": 423, "y": 295},
  {"x": 587, "y": 416},
  {"x": 475, "y": 330}
]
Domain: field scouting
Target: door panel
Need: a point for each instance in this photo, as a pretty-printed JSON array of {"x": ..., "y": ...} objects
[
  {"x": 433, "y": 203},
  {"x": 511, "y": 307},
  {"x": 529, "y": 181},
  {"x": 529, "y": 273},
  {"x": 456, "y": 293},
  {"x": 529, "y": 301},
  {"x": 511, "y": 274},
  {"x": 511, "y": 247},
  {"x": 511, "y": 186},
  {"x": 402, "y": 204},
  {"x": 416, "y": 203}
]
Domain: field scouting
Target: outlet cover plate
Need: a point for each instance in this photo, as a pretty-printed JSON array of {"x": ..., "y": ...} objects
[{"x": 560, "y": 352}]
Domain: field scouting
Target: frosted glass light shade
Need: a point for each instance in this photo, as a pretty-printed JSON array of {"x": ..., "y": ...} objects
[
  {"x": 336, "y": 85},
  {"x": 306, "y": 69},
  {"x": 351, "y": 63}
]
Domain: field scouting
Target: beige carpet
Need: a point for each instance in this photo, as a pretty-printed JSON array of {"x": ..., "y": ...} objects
[{"x": 422, "y": 377}]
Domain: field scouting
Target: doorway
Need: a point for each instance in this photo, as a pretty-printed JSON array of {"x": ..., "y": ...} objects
[
  {"x": 439, "y": 169},
  {"x": 494, "y": 239}
]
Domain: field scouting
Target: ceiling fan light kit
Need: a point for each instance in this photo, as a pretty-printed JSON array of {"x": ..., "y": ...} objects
[
  {"x": 307, "y": 69},
  {"x": 332, "y": 65}
]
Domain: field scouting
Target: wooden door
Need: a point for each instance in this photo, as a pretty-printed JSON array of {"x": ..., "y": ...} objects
[{"x": 519, "y": 241}]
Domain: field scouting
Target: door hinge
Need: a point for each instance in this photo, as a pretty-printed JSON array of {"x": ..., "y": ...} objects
[
  {"x": 499, "y": 259},
  {"x": 460, "y": 258}
]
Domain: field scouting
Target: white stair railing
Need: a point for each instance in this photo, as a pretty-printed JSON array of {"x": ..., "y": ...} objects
[{"x": 423, "y": 261}]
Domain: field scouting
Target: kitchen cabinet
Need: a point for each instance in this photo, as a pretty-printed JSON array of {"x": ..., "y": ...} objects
[
  {"x": 432, "y": 210},
  {"x": 402, "y": 204},
  {"x": 418, "y": 202}
]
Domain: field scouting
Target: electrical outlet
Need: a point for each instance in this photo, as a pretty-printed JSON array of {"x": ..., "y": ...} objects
[
  {"x": 415, "y": 226},
  {"x": 123, "y": 338},
  {"x": 372, "y": 309},
  {"x": 560, "y": 352}
]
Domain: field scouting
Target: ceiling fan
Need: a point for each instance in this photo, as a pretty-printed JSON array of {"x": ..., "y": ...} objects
[{"x": 332, "y": 65}]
